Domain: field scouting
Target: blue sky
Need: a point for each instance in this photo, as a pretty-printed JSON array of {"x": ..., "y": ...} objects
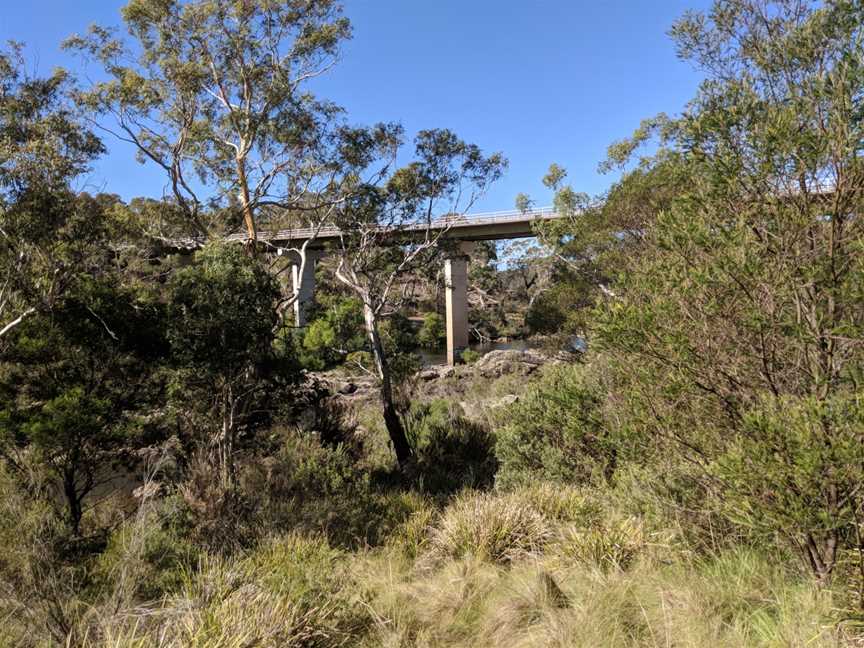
[{"x": 543, "y": 81}]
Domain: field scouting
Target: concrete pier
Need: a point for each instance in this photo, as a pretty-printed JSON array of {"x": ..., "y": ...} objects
[{"x": 456, "y": 283}]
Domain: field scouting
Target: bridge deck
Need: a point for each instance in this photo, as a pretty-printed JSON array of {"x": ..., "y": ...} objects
[{"x": 469, "y": 227}]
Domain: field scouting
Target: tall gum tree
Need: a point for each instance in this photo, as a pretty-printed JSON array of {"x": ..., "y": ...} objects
[
  {"x": 43, "y": 148},
  {"x": 216, "y": 94},
  {"x": 389, "y": 230}
]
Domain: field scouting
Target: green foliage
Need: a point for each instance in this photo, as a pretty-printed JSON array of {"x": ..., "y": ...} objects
[
  {"x": 397, "y": 334},
  {"x": 563, "y": 308},
  {"x": 222, "y": 323},
  {"x": 362, "y": 358},
  {"x": 450, "y": 451},
  {"x": 222, "y": 311},
  {"x": 181, "y": 80},
  {"x": 49, "y": 234},
  {"x": 727, "y": 264},
  {"x": 336, "y": 332},
  {"x": 432, "y": 333},
  {"x": 470, "y": 356},
  {"x": 556, "y": 432},
  {"x": 773, "y": 473},
  {"x": 307, "y": 485},
  {"x": 72, "y": 388}
]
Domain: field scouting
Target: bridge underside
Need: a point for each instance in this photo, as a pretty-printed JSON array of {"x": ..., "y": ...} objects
[
  {"x": 455, "y": 280},
  {"x": 461, "y": 231}
]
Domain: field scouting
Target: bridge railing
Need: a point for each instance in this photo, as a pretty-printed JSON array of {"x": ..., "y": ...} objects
[
  {"x": 454, "y": 221},
  {"x": 491, "y": 218}
]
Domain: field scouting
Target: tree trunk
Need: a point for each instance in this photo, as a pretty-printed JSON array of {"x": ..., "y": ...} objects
[
  {"x": 226, "y": 441},
  {"x": 73, "y": 502},
  {"x": 248, "y": 217},
  {"x": 822, "y": 556},
  {"x": 391, "y": 417}
]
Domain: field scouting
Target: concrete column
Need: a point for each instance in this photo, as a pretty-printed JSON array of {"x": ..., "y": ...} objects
[
  {"x": 304, "y": 287},
  {"x": 456, "y": 282}
]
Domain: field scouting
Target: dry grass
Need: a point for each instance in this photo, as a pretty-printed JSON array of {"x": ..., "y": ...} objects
[
  {"x": 498, "y": 528},
  {"x": 736, "y": 601},
  {"x": 542, "y": 567}
]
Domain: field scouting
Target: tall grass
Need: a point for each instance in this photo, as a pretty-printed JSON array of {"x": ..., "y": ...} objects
[{"x": 544, "y": 565}]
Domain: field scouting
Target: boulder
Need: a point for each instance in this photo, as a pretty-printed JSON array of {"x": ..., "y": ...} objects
[
  {"x": 504, "y": 401},
  {"x": 347, "y": 388},
  {"x": 428, "y": 374},
  {"x": 505, "y": 361}
]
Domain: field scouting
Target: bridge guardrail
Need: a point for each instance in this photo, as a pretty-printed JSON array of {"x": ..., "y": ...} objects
[{"x": 453, "y": 221}]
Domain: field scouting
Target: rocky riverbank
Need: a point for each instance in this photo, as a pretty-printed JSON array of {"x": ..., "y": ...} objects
[{"x": 494, "y": 380}]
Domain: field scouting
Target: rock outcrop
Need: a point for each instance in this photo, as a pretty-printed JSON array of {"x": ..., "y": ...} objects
[{"x": 498, "y": 363}]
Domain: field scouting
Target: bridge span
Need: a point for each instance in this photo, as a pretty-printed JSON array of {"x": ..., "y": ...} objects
[
  {"x": 463, "y": 230},
  {"x": 490, "y": 226}
]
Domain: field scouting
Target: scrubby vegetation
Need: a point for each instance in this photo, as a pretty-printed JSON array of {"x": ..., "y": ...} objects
[{"x": 177, "y": 469}]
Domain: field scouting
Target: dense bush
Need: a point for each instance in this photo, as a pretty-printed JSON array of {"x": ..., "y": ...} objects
[
  {"x": 229, "y": 378},
  {"x": 335, "y": 332},
  {"x": 451, "y": 452},
  {"x": 470, "y": 356},
  {"x": 772, "y": 474},
  {"x": 555, "y": 432},
  {"x": 561, "y": 309},
  {"x": 306, "y": 485}
]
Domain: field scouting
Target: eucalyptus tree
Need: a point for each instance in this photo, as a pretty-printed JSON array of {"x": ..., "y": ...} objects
[
  {"x": 389, "y": 230},
  {"x": 43, "y": 148},
  {"x": 217, "y": 95}
]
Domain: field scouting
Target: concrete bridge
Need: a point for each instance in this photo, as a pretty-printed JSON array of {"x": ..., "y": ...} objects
[{"x": 463, "y": 230}]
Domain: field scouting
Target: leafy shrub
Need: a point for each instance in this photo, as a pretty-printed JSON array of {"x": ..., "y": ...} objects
[
  {"x": 335, "y": 332},
  {"x": 561, "y": 309},
  {"x": 470, "y": 356},
  {"x": 307, "y": 485},
  {"x": 555, "y": 432},
  {"x": 498, "y": 528},
  {"x": 397, "y": 334},
  {"x": 432, "y": 333},
  {"x": 790, "y": 467},
  {"x": 361, "y": 358},
  {"x": 451, "y": 452}
]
